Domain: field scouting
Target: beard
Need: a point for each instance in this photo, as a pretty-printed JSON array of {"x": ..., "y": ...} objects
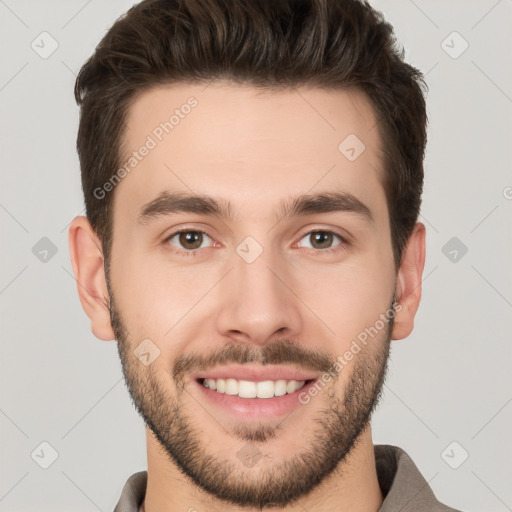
[{"x": 345, "y": 415}]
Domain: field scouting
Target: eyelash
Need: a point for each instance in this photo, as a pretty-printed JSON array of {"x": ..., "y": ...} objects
[{"x": 194, "y": 252}]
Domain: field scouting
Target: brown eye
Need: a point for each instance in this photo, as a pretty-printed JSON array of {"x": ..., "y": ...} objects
[
  {"x": 189, "y": 240},
  {"x": 321, "y": 240}
]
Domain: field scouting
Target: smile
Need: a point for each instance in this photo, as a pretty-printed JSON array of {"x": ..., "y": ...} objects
[
  {"x": 251, "y": 389},
  {"x": 252, "y": 392}
]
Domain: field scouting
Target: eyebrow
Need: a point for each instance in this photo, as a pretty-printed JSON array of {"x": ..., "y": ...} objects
[{"x": 178, "y": 202}]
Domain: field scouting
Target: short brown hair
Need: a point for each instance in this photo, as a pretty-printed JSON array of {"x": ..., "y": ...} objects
[{"x": 272, "y": 44}]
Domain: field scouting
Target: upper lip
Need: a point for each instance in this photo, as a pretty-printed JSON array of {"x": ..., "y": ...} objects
[{"x": 256, "y": 373}]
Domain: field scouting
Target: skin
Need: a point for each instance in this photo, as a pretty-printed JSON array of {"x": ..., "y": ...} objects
[{"x": 254, "y": 149}]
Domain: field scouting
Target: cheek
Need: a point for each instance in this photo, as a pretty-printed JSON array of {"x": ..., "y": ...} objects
[
  {"x": 350, "y": 297},
  {"x": 142, "y": 296},
  {"x": 159, "y": 301}
]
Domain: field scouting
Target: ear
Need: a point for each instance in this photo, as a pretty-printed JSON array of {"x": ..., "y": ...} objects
[
  {"x": 89, "y": 269},
  {"x": 408, "y": 284}
]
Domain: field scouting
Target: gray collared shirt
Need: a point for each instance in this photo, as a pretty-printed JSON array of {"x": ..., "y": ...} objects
[{"x": 402, "y": 485}]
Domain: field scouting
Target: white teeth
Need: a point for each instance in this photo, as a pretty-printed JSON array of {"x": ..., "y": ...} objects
[
  {"x": 231, "y": 387},
  {"x": 247, "y": 389},
  {"x": 265, "y": 389},
  {"x": 250, "y": 389},
  {"x": 292, "y": 386},
  {"x": 221, "y": 385},
  {"x": 280, "y": 388}
]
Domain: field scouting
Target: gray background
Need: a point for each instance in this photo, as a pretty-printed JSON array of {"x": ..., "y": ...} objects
[{"x": 449, "y": 382}]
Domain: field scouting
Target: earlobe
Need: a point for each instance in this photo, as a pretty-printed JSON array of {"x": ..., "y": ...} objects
[
  {"x": 408, "y": 285},
  {"x": 89, "y": 269}
]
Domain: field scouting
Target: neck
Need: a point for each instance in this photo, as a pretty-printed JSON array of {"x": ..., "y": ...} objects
[{"x": 352, "y": 486}]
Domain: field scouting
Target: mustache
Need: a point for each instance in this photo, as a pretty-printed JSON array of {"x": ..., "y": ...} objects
[{"x": 280, "y": 352}]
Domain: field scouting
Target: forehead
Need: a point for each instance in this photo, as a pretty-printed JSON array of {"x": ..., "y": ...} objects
[{"x": 246, "y": 145}]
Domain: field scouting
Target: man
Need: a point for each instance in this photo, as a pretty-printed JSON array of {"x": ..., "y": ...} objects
[{"x": 252, "y": 173}]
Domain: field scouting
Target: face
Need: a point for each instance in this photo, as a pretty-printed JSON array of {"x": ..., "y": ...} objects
[{"x": 253, "y": 319}]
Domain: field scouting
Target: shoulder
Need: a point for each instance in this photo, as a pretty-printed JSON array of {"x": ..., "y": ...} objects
[
  {"x": 403, "y": 486},
  {"x": 133, "y": 493}
]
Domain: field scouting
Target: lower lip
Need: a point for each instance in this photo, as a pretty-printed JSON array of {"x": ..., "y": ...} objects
[{"x": 255, "y": 407}]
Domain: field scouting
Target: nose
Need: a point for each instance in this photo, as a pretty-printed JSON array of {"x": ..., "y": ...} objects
[{"x": 257, "y": 302}]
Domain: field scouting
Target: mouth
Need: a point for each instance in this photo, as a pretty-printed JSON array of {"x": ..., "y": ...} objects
[
  {"x": 253, "y": 398},
  {"x": 251, "y": 389}
]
